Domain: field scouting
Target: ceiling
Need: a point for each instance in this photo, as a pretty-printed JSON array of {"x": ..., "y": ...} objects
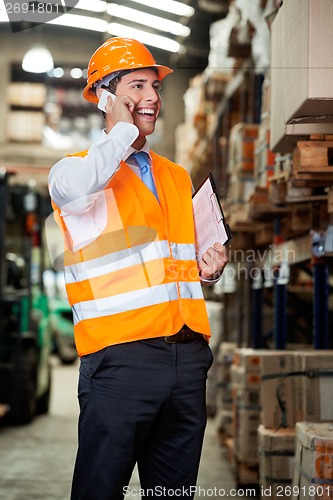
[{"x": 196, "y": 45}]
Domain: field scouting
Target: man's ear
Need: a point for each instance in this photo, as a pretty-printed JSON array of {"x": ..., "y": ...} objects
[{"x": 98, "y": 92}]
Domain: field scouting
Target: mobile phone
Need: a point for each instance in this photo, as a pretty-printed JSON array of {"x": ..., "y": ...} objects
[{"x": 104, "y": 98}]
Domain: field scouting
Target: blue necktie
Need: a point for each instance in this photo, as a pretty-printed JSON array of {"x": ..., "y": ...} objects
[{"x": 142, "y": 160}]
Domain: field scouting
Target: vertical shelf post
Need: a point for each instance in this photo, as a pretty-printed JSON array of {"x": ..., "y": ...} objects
[
  {"x": 257, "y": 307},
  {"x": 320, "y": 303},
  {"x": 280, "y": 301}
]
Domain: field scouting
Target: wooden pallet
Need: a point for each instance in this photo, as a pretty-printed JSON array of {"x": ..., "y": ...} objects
[
  {"x": 311, "y": 179},
  {"x": 313, "y": 156}
]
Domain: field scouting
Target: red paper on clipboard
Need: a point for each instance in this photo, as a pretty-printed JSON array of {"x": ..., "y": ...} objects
[{"x": 210, "y": 225}]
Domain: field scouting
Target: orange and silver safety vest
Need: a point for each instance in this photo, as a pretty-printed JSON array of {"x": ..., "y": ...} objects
[{"x": 139, "y": 279}]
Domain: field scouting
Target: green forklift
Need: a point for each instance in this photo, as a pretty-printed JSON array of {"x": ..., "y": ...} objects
[{"x": 25, "y": 333}]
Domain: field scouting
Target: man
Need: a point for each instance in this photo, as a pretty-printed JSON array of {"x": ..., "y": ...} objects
[{"x": 133, "y": 281}]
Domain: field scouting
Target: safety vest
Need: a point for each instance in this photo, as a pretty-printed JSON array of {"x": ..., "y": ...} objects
[{"x": 139, "y": 279}]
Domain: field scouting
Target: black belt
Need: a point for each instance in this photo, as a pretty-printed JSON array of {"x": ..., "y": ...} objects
[{"x": 184, "y": 335}]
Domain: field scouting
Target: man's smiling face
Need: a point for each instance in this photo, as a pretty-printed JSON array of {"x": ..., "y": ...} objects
[{"x": 143, "y": 87}]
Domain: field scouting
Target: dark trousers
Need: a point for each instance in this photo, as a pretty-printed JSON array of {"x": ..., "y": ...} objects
[{"x": 142, "y": 402}]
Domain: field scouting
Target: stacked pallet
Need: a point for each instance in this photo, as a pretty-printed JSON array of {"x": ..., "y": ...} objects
[
  {"x": 295, "y": 387},
  {"x": 245, "y": 378},
  {"x": 271, "y": 392}
]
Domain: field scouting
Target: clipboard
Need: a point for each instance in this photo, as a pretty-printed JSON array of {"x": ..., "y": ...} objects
[{"x": 209, "y": 222}]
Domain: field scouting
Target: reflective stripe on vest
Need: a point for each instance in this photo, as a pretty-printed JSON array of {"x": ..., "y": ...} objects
[
  {"x": 135, "y": 300},
  {"x": 116, "y": 261}
]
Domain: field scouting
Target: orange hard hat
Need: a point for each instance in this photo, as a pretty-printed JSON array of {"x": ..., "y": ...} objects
[{"x": 117, "y": 54}]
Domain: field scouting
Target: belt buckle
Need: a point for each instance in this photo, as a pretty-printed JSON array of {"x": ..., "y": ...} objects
[
  {"x": 169, "y": 341},
  {"x": 181, "y": 336}
]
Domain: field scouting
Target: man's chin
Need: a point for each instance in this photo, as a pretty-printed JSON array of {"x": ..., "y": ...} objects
[{"x": 147, "y": 130}]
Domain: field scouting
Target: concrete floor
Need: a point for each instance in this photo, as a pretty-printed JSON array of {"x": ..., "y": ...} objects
[{"x": 36, "y": 461}]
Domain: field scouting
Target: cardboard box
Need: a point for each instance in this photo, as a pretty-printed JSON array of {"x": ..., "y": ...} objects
[
  {"x": 241, "y": 378},
  {"x": 276, "y": 450},
  {"x": 248, "y": 359},
  {"x": 32, "y": 95},
  {"x": 301, "y": 72},
  {"x": 316, "y": 385},
  {"x": 25, "y": 126},
  {"x": 313, "y": 471},
  {"x": 280, "y": 390}
]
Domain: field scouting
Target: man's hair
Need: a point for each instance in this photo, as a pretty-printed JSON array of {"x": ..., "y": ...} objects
[{"x": 113, "y": 83}]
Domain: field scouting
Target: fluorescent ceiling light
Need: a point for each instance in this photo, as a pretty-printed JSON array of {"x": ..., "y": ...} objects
[
  {"x": 137, "y": 16},
  {"x": 37, "y": 60},
  {"x": 3, "y": 17},
  {"x": 93, "y": 6},
  {"x": 58, "y": 72},
  {"x": 161, "y": 42},
  {"x": 76, "y": 73},
  {"x": 84, "y": 22},
  {"x": 178, "y": 8}
]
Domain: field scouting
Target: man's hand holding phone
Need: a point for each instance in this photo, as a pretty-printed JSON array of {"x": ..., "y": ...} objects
[
  {"x": 103, "y": 99},
  {"x": 117, "y": 108}
]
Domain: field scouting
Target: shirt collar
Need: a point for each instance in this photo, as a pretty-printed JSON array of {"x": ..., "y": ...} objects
[{"x": 131, "y": 150}]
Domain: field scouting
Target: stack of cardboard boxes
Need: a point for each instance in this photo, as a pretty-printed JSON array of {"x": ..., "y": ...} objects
[
  {"x": 26, "y": 117},
  {"x": 276, "y": 450},
  {"x": 241, "y": 162},
  {"x": 278, "y": 398},
  {"x": 245, "y": 379}
]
